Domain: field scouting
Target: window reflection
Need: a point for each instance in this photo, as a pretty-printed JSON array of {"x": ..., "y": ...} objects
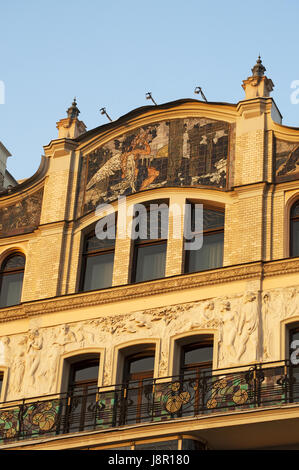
[
  {"x": 82, "y": 389},
  {"x": 137, "y": 379},
  {"x": 11, "y": 280},
  {"x": 151, "y": 229},
  {"x": 294, "y": 230},
  {"x": 98, "y": 260},
  {"x": 210, "y": 255}
]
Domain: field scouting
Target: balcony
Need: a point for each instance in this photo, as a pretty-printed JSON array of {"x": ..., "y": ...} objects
[{"x": 155, "y": 400}]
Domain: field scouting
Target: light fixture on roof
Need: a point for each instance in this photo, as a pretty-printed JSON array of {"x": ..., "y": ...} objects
[
  {"x": 148, "y": 96},
  {"x": 103, "y": 111},
  {"x": 199, "y": 90}
]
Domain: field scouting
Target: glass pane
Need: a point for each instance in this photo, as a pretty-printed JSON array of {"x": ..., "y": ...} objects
[
  {"x": 210, "y": 255},
  {"x": 94, "y": 244},
  {"x": 150, "y": 263},
  {"x": 142, "y": 364},
  {"x": 117, "y": 448},
  {"x": 89, "y": 372},
  {"x": 14, "y": 262},
  {"x": 212, "y": 219},
  {"x": 295, "y": 210},
  {"x": 11, "y": 289},
  {"x": 295, "y": 238},
  {"x": 200, "y": 354},
  {"x": 294, "y": 336},
  {"x": 165, "y": 445},
  {"x": 98, "y": 272},
  {"x": 190, "y": 444},
  {"x": 152, "y": 223},
  {"x": 83, "y": 387}
]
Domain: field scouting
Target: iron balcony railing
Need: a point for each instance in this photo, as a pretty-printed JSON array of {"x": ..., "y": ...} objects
[{"x": 152, "y": 400}]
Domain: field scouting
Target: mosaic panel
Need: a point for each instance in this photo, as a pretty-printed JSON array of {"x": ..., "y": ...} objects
[
  {"x": 21, "y": 217},
  {"x": 286, "y": 160},
  {"x": 180, "y": 152}
]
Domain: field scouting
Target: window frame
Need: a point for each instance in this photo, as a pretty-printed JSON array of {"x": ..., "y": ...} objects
[
  {"x": 291, "y": 221},
  {"x": 140, "y": 243},
  {"x": 194, "y": 345},
  {"x": 4, "y": 373},
  {"x": 12, "y": 271},
  {"x": 94, "y": 253},
  {"x": 86, "y": 388},
  {"x": 205, "y": 232},
  {"x": 137, "y": 381}
]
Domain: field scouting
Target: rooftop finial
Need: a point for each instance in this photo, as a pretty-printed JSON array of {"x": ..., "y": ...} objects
[
  {"x": 258, "y": 70},
  {"x": 73, "y": 111},
  {"x": 70, "y": 127}
]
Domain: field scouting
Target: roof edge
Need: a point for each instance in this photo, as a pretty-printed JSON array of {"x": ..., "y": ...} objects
[{"x": 138, "y": 111}]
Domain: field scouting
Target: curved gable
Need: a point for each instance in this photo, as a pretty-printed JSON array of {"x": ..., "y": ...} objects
[{"x": 183, "y": 152}]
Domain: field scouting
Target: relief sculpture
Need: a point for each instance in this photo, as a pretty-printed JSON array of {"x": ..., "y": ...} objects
[{"x": 235, "y": 321}]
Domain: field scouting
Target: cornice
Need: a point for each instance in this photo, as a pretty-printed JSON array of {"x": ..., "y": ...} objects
[
  {"x": 285, "y": 266},
  {"x": 287, "y": 133},
  {"x": 131, "y": 291},
  {"x": 28, "y": 186},
  {"x": 59, "y": 147},
  {"x": 254, "y": 106},
  {"x": 162, "y": 286},
  {"x": 151, "y": 114}
]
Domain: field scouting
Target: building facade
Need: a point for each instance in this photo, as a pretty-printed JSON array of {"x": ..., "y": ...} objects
[
  {"x": 6, "y": 179},
  {"x": 140, "y": 342}
]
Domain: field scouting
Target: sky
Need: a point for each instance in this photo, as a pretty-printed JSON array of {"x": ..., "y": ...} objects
[{"x": 111, "y": 53}]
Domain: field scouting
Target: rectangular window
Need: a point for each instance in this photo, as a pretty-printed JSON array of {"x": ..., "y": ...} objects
[
  {"x": 98, "y": 271},
  {"x": 11, "y": 289},
  {"x": 98, "y": 260},
  {"x": 210, "y": 255},
  {"x": 150, "y": 241}
]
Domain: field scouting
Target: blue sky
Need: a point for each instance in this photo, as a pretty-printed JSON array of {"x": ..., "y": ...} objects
[{"x": 109, "y": 54}]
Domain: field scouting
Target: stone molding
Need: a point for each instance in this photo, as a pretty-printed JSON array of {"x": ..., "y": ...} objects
[{"x": 161, "y": 286}]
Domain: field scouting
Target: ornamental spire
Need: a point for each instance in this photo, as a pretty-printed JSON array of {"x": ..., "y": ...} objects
[
  {"x": 258, "y": 70},
  {"x": 73, "y": 111},
  {"x": 257, "y": 85},
  {"x": 70, "y": 127}
]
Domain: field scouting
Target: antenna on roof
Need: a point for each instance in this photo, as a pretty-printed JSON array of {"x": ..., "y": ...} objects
[
  {"x": 199, "y": 90},
  {"x": 103, "y": 111},
  {"x": 148, "y": 96}
]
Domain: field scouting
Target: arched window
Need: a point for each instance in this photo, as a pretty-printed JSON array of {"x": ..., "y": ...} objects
[
  {"x": 98, "y": 259},
  {"x": 294, "y": 230},
  {"x": 197, "y": 358},
  {"x": 137, "y": 380},
  {"x": 82, "y": 390},
  {"x": 150, "y": 232},
  {"x": 196, "y": 361},
  {"x": 210, "y": 255},
  {"x": 293, "y": 356},
  {"x": 11, "y": 280}
]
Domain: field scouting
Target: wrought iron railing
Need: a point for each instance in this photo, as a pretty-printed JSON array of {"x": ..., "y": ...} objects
[{"x": 162, "y": 399}]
